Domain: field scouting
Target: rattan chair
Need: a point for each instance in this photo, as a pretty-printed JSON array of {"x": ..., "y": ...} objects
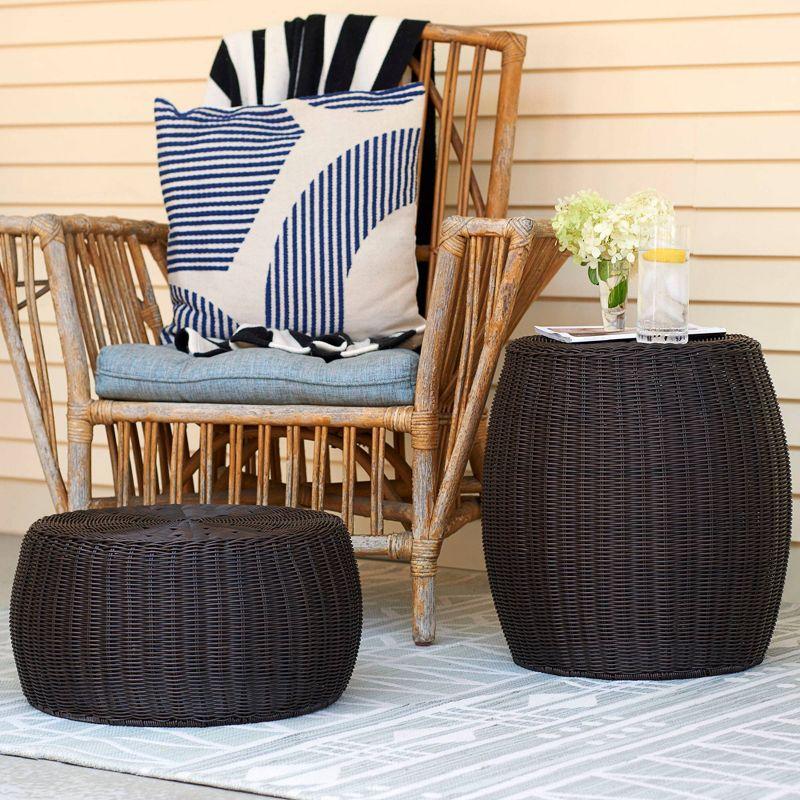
[{"x": 482, "y": 276}]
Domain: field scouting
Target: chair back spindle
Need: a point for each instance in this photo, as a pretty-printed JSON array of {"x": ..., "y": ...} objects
[{"x": 455, "y": 97}]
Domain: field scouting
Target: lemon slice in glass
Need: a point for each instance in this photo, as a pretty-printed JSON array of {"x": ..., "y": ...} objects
[{"x": 666, "y": 255}]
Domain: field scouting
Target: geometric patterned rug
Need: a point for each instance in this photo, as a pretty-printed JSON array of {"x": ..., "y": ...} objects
[{"x": 459, "y": 721}]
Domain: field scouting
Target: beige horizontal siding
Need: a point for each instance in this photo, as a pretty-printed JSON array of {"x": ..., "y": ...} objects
[
  {"x": 697, "y": 98},
  {"x": 537, "y": 183},
  {"x": 35, "y": 22},
  {"x": 729, "y": 89},
  {"x": 640, "y": 44},
  {"x": 740, "y": 137}
]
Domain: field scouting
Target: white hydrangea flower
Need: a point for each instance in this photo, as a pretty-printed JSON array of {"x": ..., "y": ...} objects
[
  {"x": 574, "y": 216},
  {"x": 593, "y": 230}
]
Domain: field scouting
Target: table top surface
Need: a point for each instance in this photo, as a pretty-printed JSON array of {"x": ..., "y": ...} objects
[
  {"x": 166, "y": 524},
  {"x": 714, "y": 344}
]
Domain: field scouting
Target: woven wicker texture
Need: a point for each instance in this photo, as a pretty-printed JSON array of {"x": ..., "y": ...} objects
[
  {"x": 637, "y": 507},
  {"x": 185, "y": 615}
]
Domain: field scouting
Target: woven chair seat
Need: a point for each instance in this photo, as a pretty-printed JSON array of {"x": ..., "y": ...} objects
[{"x": 185, "y": 615}]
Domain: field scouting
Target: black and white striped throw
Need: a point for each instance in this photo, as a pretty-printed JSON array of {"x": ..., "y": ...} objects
[
  {"x": 321, "y": 54},
  {"x": 329, "y": 348}
]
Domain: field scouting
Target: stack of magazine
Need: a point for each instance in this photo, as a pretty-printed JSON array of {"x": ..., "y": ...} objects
[{"x": 576, "y": 334}]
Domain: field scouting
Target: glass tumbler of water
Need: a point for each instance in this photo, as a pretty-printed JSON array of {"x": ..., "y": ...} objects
[{"x": 663, "y": 298}]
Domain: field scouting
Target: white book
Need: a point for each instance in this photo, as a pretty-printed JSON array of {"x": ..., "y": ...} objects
[{"x": 575, "y": 334}]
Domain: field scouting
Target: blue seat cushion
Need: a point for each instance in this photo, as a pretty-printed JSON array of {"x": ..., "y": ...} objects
[{"x": 255, "y": 376}]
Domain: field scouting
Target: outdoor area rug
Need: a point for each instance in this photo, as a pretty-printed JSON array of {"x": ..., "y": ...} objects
[{"x": 460, "y": 721}]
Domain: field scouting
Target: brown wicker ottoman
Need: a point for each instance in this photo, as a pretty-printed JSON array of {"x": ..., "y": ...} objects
[
  {"x": 637, "y": 507},
  {"x": 185, "y": 615}
]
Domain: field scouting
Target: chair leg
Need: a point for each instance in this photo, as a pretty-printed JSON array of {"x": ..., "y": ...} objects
[
  {"x": 425, "y": 544},
  {"x": 424, "y": 556},
  {"x": 79, "y": 470}
]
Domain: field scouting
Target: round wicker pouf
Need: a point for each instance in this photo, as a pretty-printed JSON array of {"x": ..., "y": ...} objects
[
  {"x": 185, "y": 615},
  {"x": 637, "y": 507}
]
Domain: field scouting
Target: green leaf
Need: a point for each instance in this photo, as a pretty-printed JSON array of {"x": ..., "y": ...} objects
[
  {"x": 603, "y": 268},
  {"x": 593, "y": 276},
  {"x": 619, "y": 294}
]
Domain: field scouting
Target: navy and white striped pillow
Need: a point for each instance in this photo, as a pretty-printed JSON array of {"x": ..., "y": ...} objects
[{"x": 295, "y": 215}]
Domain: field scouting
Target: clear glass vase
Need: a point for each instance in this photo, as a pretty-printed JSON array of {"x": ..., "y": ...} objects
[{"x": 613, "y": 280}]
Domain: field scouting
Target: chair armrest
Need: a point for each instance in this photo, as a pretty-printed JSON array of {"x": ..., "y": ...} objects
[
  {"x": 146, "y": 231},
  {"x": 152, "y": 235},
  {"x": 488, "y": 271},
  {"x": 93, "y": 273},
  {"x": 113, "y": 285}
]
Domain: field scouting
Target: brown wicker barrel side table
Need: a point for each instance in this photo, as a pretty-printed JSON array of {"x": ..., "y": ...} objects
[
  {"x": 637, "y": 507},
  {"x": 185, "y": 615}
]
